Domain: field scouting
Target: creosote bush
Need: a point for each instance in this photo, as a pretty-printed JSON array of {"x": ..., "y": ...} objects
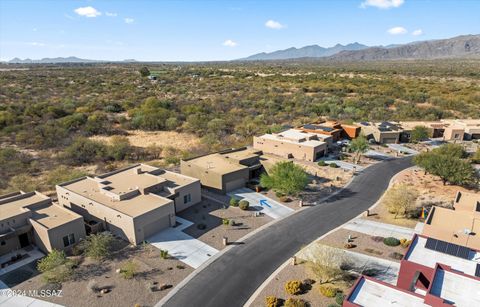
[
  {"x": 128, "y": 269},
  {"x": 295, "y": 302},
  {"x": 271, "y": 301},
  {"x": 327, "y": 291},
  {"x": 244, "y": 204},
  {"x": 234, "y": 202},
  {"x": 391, "y": 241}
]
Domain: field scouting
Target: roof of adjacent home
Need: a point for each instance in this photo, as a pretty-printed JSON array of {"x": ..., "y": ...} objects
[
  {"x": 133, "y": 190},
  {"x": 39, "y": 207},
  {"x": 295, "y": 137}
]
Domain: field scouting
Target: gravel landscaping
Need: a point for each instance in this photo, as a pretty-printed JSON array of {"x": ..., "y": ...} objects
[
  {"x": 208, "y": 218},
  {"x": 89, "y": 279}
]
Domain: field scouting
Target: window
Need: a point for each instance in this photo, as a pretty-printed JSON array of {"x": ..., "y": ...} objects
[
  {"x": 187, "y": 198},
  {"x": 69, "y": 240},
  {"x": 3, "y": 243}
]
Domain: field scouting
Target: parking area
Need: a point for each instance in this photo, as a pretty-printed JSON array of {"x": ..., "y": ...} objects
[
  {"x": 260, "y": 202},
  {"x": 182, "y": 246}
]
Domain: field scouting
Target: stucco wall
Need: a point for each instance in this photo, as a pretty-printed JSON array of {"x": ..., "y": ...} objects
[
  {"x": 284, "y": 149},
  {"x": 195, "y": 193},
  {"x": 208, "y": 178}
]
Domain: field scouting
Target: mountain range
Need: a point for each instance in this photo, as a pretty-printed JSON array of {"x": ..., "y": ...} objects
[{"x": 465, "y": 46}]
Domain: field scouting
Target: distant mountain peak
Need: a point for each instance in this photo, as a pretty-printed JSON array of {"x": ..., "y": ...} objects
[{"x": 311, "y": 51}]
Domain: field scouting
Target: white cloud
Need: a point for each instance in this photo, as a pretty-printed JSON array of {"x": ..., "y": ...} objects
[
  {"x": 129, "y": 20},
  {"x": 382, "y": 4},
  {"x": 36, "y": 44},
  {"x": 272, "y": 24},
  {"x": 417, "y": 32},
  {"x": 230, "y": 43},
  {"x": 87, "y": 11},
  {"x": 110, "y": 14},
  {"x": 397, "y": 30}
]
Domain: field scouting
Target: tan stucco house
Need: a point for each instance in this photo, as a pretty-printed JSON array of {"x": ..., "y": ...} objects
[
  {"x": 32, "y": 218},
  {"x": 292, "y": 143},
  {"x": 133, "y": 203},
  {"x": 382, "y": 133},
  {"x": 226, "y": 170}
]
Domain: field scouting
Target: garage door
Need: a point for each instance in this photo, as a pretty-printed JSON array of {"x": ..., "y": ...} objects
[
  {"x": 234, "y": 184},
  {"x": 154, "y": 227},
  {"x": 389, "y": 140}
]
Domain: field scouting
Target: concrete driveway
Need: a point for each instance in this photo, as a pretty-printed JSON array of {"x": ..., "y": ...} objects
[
  {"x": 261, "y": 203},
  {"x": 401, "y": 148},
  {"x": 373, "y": 228},
  {"x": 179, "y": 245},
  {"x": 377, "y": 155}
]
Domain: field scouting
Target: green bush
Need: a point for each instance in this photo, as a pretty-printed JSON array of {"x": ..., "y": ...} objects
[
  {"x": 271, "y": 301},
  {"x": 231, "y": 223},
  {"x": 391, "y": 241},
  {"x": 164, "y": 254},
  {"x": 333, "y": 165},
  {"x": 328, "y": 291},
  {"x": 97, "y": 246},
  {"x": 244, "y": 204},
  {"x": 128, "y": 269},
  {"x": 322, "y": 163},
  {"x": 56, "y": 268},
  {"x": 339, "y": 297},
  {"x": 225, "y": 222},
  {"x": 234, "y": 202},
  {"x": 293, "y": 287}
]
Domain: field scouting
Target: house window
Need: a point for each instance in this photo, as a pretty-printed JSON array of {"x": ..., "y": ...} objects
[
  {"x": 68, "y": 240},
  {"x": 187, "y": 198},
  {"x": 456, "y": 136},
  {"x": 3, "y": 243}
]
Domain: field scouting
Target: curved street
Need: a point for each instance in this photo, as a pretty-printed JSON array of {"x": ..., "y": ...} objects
[{"x": 232, "y": 278}]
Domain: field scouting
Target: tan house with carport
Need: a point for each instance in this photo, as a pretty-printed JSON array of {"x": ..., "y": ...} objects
[
  {"x": 382, "y": 133},
  {"x": 225, "y": 170},
  {"x": 133, "y": 203},
  {"x": 32, "y": 218},
  {"x": 292, "y": 143}
]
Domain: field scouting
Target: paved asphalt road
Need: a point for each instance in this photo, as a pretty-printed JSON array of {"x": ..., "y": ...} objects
[{"x": 232, "y": 278}]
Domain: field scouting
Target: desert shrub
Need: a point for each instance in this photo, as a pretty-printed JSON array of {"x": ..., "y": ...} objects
[
  {"x": 234, "y": 202},
  {"x": 128, "y": 269},
  {"x": 377, "y": 238},
  {"x": 97, "y": 246},
  {"x": 293, "y": 287},
  {"x": 396, "y": 256},
  {"x": 295, "y": 302},
  {"x": 279, "y": 194},
  {"x": 333, "y": 165},
  {"x": 56, "y": 268},
  {"x": 225, "y": 222},
  {"x": 231, "y": 223},
  {"x": 163, "y": 254},
  {"x": 271, "y": 301},
  {"x": 400, "y": 199},
  {"x": 327, "y": 266},
  {"x": 322, "y": 163},
  {"x": 391, "y": 241},
  {"x": 285, "y": 199},
  {"x": 405, "y": 243},
  {"x": 328, "y": 291},
  {"x": 339, "y": 297},
  {"x": 244, "y": 204},
  {"x": 285, "y": 177}
]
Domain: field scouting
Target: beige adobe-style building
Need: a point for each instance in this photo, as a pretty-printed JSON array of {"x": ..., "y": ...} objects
[
  {"x": 32, "y": 218},
  {"x": 382, "y": 133},
  {"x": 460, "y": 226},
  {"x": 468, "y": 129},
  {"x": 132, "y": 203},
  {"x": 292, "y": 143},
  {"x": 226, "y": 170}
]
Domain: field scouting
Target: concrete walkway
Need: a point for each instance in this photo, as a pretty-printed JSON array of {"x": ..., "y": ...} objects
[
  {"x": 382, "y": 269},
  {"x": 377, "y": 155},
  {"x": 373, "y": 228},
  {"x": 261, "y": 203},
  {"x": 401, "y": 148},
  {"x": 185, "y": 248},
  {"x": 33, "y": 255}
]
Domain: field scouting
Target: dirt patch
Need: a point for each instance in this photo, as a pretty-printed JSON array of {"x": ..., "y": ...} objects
[
  {"x": 276, "y": 287},
  {"x": 211, "y": 214},
  {"x": 152, "y": 272},
  {"x": 139, "y": 138},
  {"x": 430, "y": 189},
  {"x": 364, "y": 244}
]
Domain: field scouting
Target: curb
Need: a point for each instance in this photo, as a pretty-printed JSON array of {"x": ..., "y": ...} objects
[{"x": 280, "y": 268}]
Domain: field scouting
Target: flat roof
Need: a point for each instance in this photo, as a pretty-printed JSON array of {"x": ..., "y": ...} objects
[
  {"x": 217, "y": 163},
  {"x": 14, "y": 204},
  {"x": 467, "y": 201},
  {"x": 370, "y": 292},
  {"x": 295, "y": 136},
  {"x": 51, "y": 216},
  {"x": 240, "y": 155},
  {"x": 418, "y": 253},
  {"x": 456, "y": 289},
  {"x": 453, "y": 226},
  {"x": 126, "y": 190}
]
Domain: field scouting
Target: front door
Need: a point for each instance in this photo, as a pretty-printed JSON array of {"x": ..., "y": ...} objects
[{"x": 23, "y": 238}]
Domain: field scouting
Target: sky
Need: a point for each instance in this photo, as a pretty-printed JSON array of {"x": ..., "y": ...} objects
[{"x": 149, "y": 30}]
